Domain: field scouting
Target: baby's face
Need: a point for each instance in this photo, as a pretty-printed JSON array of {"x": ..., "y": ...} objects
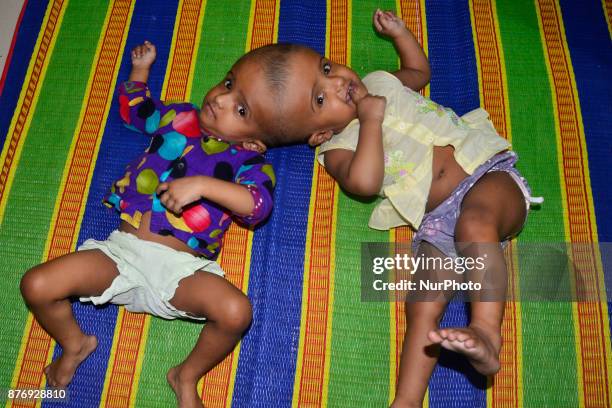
[
  {"x": 320, "y": 95},
  {"x": 230, "y": 109}
]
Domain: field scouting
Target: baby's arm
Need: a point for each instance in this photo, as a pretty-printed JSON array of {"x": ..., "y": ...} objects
[
  {"x": 414, "y": 69},
  {"x": 180, "y": 192},
  {"x": 143, "y": 56},
  {"x": 361, "y": 172}
]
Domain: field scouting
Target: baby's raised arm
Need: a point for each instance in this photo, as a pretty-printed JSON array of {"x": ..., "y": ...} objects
[
  {"x": 143, "y": 56},
  {"x": 361, "y": 172},
  {"x": 414, "y": 69}
]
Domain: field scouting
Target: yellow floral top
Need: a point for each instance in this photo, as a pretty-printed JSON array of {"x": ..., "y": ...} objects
[{"x": 412, "y": 126}]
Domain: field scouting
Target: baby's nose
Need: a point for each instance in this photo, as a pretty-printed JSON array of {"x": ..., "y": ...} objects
[
  {"x": 337, "y": 83},
  {"x": 220, "y": 100}
]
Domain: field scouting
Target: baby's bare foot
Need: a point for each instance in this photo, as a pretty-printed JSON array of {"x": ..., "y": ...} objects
[
  {"x": 185, "y": 391},
  {"x": 479, "y": 346},
  {"x": 60, "y": 372}
]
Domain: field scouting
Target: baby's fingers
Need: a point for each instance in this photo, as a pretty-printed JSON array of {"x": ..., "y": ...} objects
[
  {"x": 161, "y": 189},
  {"x": 376, "y": 20},
  {"x": 150, "y": 46}
]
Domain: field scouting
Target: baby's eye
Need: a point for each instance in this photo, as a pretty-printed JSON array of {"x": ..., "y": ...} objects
[
  {"x": 228, "y": 83},
  {"x": 242, "y": 111},
  {"x": 320, "y": 99},
  {"x": 326, "y": 68}
]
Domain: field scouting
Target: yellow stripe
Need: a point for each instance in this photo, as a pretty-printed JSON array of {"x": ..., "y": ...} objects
[
  {"x": 589, "y": 202},
  {"x": 35, "y": 98},
  {"x": 392, "y": 334}
]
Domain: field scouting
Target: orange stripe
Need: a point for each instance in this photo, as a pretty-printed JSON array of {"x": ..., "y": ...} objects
[
  {"x": 216, "y": 383},
  {"x": 129, "y": 345},
  {"x": 580, "y": 222},
  {"x": 403, "y": 237},
  {"x": 264, "y": 20},
  {"x": 34, "y": 83},
  {"x": 505, "y": 385},
  {"x": 607, "y": 6},
  {"x": 410, "y": 12},
  {"x": 177, "y": 81},
  {"x": 64, "y": 235},
  {"x": 316, "y": 338},
  {"x": 125, "y": 359}
]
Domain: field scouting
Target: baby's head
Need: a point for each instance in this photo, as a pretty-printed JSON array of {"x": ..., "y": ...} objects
[
  {"x": 244, "y": 106},
  {"x": 315, "y": 97},
  {"x": 281, "y": 94}
]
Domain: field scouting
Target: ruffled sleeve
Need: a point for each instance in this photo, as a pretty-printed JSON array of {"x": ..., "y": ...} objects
[{"x": 257, "y": 175}]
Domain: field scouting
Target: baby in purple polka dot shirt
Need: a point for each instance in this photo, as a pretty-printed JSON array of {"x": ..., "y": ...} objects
[{"x": 203, "y": 168}]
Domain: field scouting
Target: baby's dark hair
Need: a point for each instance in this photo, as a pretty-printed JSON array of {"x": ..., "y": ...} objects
[{"x": 274, "y": 59}]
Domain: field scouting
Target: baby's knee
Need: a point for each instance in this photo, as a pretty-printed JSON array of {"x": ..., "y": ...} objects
[
  {"x": 476, "y": 225},
  {"x": 34, "y": 286},
  {"x": 237, "y": 314}
]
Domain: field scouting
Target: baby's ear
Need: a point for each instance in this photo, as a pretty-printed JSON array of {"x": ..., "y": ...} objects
[
  {"x": 255, "y": 146},
  {"x": 320, "y": 136}
]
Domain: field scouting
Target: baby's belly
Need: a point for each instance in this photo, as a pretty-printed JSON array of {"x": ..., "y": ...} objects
[
  {"x": 447, "y": 174},
  {"x": 143, "y": 232}
]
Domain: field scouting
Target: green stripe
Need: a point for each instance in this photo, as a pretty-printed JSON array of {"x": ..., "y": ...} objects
[
  {"x": 35, "y": 187},
  {"x": 168, "y": 343},
  {"x": 359, "y": 368},
  {"x": 549, "y": 365}
]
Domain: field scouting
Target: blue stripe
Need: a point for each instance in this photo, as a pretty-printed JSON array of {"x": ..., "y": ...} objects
[
  {"x": 454, "y": 83},
  {"x": 22, "y": 52},
  {"x": 152, "y": 20},
  {"x": 588, "y": 38},
  {"x": 266, "y": 367}
]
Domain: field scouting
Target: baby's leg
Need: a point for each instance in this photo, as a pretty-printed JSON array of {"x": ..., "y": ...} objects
[
  {"x": 493, "y": 210},
  {"x": 46, "y": 290},
  {"x": 419, "y": 354},
  {"x": 228, "y": 313}
]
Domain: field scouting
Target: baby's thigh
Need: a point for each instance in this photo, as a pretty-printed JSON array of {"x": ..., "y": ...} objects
[
  {"x": 495, "y": 202},
  {"x": 208, "y": 295},
  {"x": 83, "y": 273}
]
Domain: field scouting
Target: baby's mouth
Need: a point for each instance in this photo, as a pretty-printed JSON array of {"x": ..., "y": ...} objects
[{"x": 349, "y": 92}]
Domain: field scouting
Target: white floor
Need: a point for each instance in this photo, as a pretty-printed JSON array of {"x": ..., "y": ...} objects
[{"x": 9, "y": 13}]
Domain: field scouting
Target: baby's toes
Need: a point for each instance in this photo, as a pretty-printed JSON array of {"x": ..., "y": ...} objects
[
  {"x": 434, "y": 336},
  {"x": 463, "y": 336}
]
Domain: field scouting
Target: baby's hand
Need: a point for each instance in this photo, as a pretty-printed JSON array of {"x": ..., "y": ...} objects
[
  {"x": 371, "y": 108},
  {"x": 143, "y": 55},
  {"x": 178, "y": 193},
  {"x": 388, "y": 24}
]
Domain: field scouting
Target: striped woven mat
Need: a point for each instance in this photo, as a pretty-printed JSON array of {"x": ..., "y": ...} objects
[{"x": 541, "y": 68}]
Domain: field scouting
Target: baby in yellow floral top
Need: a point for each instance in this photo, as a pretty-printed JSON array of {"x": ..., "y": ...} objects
[{"x": 450, "y": 178}]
